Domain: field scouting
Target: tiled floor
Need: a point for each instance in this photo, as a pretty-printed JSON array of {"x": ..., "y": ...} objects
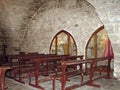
[{"x": 106, "y": 84}]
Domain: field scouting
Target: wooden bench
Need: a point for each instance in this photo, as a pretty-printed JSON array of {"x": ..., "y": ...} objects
[
  {"x": 21, "y": 64},
  {"x": 14, "y": 64},
  {"x": 26, "y": 66},
  {"x": 66, "y": 73},
  {"x": 48, "y": 65}
]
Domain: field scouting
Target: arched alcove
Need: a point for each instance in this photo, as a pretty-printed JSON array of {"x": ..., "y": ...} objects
[
  {"x": 99, "y": 45},
  {"x": 54, "y": 18},
  {"x": 63, "y": 44}
]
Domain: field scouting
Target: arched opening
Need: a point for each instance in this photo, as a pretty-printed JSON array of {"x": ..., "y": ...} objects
[
  {"x": 63, "y": 44},
  {"x": 99, "y": 45}
]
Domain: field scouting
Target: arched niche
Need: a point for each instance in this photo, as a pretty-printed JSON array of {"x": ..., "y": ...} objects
[
  {"x": 99, "y": 45},
  {"x": 63, "y": 44}
]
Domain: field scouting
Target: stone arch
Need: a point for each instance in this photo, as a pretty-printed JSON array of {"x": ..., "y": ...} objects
[
  {"x": 72, "y": 18},
  {"x": 65, "y": 40},
  {"x": 100, "y": 46},
  {"x": 108, "y": 13},
  {"x": 100, "y": 35}
]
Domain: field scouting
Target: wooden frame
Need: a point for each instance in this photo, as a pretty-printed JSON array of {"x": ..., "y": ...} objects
[
  {"x": 3, "y": 70},
  {"x": 63, "y": 77},
  {"x": 69, "y": 38}
]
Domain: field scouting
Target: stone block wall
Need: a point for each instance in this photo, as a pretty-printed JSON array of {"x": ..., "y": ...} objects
[
  {"x": 30, "y": 25},
  {"x": 47, "y": 22},
  {"x": 108, "y": 12}
]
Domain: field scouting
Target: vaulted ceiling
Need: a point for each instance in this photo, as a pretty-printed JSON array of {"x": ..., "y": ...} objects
[{"x": 15, "y": 15}]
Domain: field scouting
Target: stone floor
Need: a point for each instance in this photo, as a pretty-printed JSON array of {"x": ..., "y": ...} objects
[{"x": 106, "y": 84}]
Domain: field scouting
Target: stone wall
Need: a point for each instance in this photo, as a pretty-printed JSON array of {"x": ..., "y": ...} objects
[
  {"x": 55, "y": 16},
  {"x": 30, "y": 25},
  {"x": 14, "y": 16},
  {"x": 108, "y": 12}
]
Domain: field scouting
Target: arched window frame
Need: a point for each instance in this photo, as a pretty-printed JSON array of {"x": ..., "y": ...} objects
[
  {"x": 69, "y": 37},
  {"x": 94, "y": 37}
]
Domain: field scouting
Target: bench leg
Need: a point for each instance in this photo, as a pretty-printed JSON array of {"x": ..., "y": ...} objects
[
  {"x": 82, "y": 75},
  {"x": 53, "y": 83},
  {"x": 3, "y": 80}
]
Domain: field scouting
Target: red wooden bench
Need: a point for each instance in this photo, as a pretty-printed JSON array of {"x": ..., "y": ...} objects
[
  {"x": 48, "y": 65},
  {"x": 66, "y": 73},
  {"x": 20, "y": 64},
  {"x": 26, "y": 66}
]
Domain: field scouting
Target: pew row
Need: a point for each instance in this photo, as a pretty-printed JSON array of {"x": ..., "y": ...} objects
[
  {"x": 21, "y": 64},
  {"x": 66, "y": 73},
  {"x": 48, "y": 66},
  {"x": 25, "y": 67}
]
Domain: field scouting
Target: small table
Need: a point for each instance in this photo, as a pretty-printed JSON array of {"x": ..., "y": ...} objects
[{"x": 3, "y": 70}]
